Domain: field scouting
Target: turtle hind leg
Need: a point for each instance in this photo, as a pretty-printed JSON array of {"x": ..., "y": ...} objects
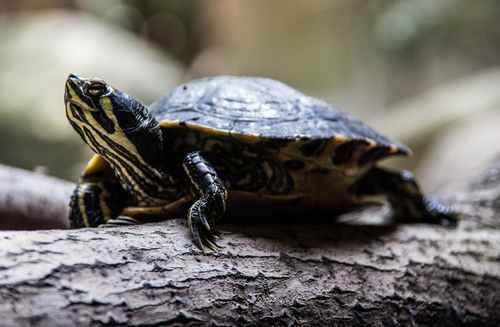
[
  {"x": 440, "y": 211},
  {"x": 409, "y": 205}
]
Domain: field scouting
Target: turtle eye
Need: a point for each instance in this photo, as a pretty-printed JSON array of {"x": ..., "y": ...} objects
[{"x": 96, "y": 89}]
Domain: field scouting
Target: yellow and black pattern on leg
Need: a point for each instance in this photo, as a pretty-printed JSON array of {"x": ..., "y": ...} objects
[
  {"x": 408, "y": 204},
  {"x": 94, "y": 203},
  {"x": 211, "y": 199}
]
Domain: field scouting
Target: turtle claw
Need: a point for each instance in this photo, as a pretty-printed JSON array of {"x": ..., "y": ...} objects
[
  {"x": 204, "y": 239},
  {"x": 208, "y": 241},
  {"x": 200, "y": 228},
  {"x": 197, "y": 238},
  {"x": 205, "y": 222}
]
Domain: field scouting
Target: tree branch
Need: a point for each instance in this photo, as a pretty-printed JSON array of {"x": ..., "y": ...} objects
[
  {"x": 312, "y": 273},
  {"x": 32, "y": 201}
]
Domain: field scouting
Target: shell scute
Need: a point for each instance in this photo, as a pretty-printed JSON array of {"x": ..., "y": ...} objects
[{"x": 274, "y": 116}]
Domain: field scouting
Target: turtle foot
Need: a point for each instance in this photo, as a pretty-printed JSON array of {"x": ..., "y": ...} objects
[
  {"x": 438, "y": 212},
  {"x": 119, "y": 221}
]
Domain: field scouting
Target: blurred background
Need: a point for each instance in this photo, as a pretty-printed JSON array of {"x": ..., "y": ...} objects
[{"x": 424, "y": 71}]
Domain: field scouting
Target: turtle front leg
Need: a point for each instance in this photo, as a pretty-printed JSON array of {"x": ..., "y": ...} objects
[
  {"x": 98, "y": 203},
  {"x": 409, "y": 205},
  {"x": 211, "y": 195}
]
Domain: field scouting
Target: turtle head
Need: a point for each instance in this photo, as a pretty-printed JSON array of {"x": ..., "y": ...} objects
[{"x": 114, "y": 125}]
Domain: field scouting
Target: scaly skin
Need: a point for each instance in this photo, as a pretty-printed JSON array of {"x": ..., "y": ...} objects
[{"x": 212, "y": 137}]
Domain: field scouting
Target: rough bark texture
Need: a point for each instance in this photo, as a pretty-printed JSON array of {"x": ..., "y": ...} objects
[{"x": 274, "y": 274}]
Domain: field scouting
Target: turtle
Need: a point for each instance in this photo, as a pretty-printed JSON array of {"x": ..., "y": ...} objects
[{"x": 248, "y": 146}]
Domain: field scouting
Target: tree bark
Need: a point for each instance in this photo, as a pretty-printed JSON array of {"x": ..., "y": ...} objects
[{"x": 267, "y": 274}]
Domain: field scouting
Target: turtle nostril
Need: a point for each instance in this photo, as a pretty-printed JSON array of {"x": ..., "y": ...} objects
[{"x": 74, "y": 77}]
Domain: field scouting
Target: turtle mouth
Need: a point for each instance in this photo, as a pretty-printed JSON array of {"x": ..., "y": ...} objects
[
  {"x": 74, "y": 88},
  {"x": 80, "y": 105}
]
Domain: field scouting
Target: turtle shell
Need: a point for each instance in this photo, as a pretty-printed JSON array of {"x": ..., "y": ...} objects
[{"x": 277, "y": 117}]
